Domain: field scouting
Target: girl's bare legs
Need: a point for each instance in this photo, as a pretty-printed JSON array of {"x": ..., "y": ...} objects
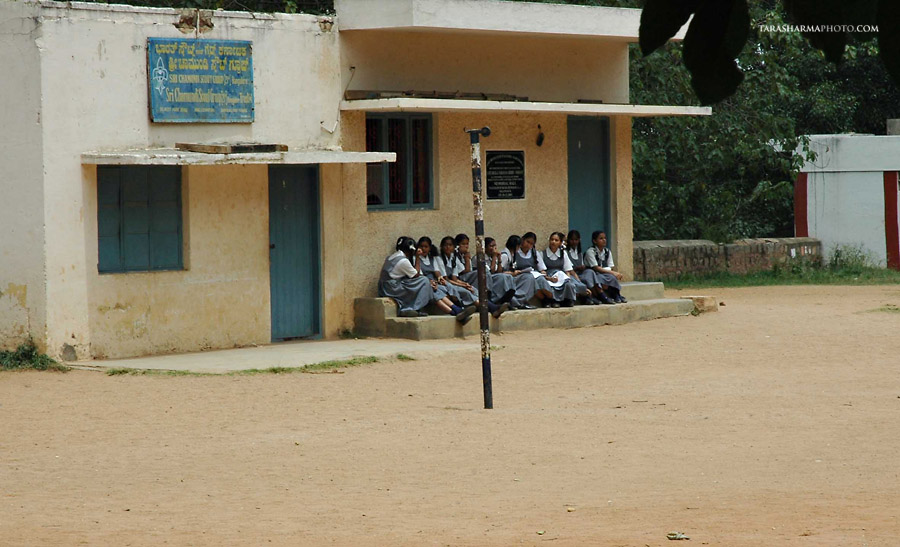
[{"x": 444, "y": 304}]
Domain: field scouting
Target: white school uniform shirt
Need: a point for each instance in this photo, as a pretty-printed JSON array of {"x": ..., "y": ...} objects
[
  {"x": 403, "y": 268},
  {"x": 567, "y": 263},
  {"x": 594, "y": 257},
  {"x": 505, "y": 260},
  {"x": 445, "y": 268},
  {"x": 439, "y": 264},
  {"x": 540, "y": 261}
]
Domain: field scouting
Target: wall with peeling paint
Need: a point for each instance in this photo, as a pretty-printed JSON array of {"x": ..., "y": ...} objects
[
  {"x": 87, "y": 69},
  {"x": 220, "y": 300},
  {"x": 22, "y": 280},
  {"x": 544, "y": 209}
]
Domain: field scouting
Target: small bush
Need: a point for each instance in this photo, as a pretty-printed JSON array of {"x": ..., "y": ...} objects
[
  {"x": 850, "y": 259},
  {"x": 26, "y": 356}
]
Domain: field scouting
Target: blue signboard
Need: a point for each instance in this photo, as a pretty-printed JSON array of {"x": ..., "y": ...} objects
[{"x": 205, "y": 81}]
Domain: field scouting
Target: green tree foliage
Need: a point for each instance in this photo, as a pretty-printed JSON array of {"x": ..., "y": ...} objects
[{"x": 730, "y": 175}]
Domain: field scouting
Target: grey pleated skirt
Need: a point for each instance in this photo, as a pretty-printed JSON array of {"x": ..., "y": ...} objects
[{"x": 410, "y": 293}]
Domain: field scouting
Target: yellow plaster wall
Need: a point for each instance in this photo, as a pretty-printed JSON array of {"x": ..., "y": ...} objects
[
  {"x": 622, "y": 202},
  {"x": 369, "y": 236},
  {"x": 542, "y": 68},
  {"x": 334, "y": 259},
  {"x": 221, "y": 300}
]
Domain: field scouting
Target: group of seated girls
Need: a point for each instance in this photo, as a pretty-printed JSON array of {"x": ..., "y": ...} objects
[{"x": 419, "y": 273}]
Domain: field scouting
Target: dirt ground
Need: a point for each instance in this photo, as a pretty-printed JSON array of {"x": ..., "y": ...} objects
[{"x": 772, "y": 422}]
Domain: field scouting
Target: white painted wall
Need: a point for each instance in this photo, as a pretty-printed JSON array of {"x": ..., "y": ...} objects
[
  {"x": 856, "y": 153},
  {"x": 847, "y": 209},
  {"x": 492, "y": 16},
  {"x": 845, "y": 190},
  {"x": 22, "y": 275},
  {"x": 84, "y": 71}
]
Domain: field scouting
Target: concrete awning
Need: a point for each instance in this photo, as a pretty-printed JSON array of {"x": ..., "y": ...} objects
[
  {"x": 409, "y": 104},
  {"x": 171, "y": 156},
  {"x": 491, "y": 17}
]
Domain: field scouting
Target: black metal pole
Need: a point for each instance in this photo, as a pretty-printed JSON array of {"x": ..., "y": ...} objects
[{"x": 474, "y": 135}]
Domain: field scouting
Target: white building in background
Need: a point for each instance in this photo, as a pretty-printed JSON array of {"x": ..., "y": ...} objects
[{"x": 848, "y": 195}]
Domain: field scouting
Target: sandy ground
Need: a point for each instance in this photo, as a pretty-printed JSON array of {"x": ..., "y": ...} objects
[{"x": 772, "y": 422}]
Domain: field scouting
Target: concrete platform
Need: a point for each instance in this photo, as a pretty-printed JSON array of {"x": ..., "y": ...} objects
[{"x": 378, "y": 316}]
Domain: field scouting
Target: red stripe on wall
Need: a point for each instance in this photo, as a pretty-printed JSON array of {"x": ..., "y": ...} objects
[
  {"x": 801, "y": 222},
  {"x": 891, "y": 220}
]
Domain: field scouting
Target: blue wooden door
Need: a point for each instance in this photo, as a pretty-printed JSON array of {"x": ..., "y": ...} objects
[
  {"x": 294, "y": 250},
  {"x": 589, "y": 196}
]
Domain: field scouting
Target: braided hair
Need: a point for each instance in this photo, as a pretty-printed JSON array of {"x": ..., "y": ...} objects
[
  {"x": 451, "y": 265},
  {"x": 406, "y": 244}
]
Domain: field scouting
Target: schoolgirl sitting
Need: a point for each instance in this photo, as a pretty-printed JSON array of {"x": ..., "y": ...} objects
[
  {"x": 524, "y": 282},
  {"x": 556, "y": 265},
  {"x": 527, "y": 259},
  {"x": 444, "y": 293},
  {"x": 467, "y": 293},
  {"x": 501, "y": 288},
  {"x": 599, "y": 259},
  {"x": 403, "y": 282},
  {"x": 583, "y": 275}
]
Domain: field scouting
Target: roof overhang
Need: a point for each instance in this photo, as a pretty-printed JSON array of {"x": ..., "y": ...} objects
[
  {"x": 409, "y": 104},
  {"x": 491, "y": 16},
  {"x": 171, "y": 156}
]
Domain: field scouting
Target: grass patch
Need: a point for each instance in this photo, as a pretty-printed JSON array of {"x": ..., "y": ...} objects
[
  {"x": 154, "y": 372},
  {"x": 847, "y": 266},
  {"x": 405, "y": 357},
  {"x": 27, "y": 357},
  {"x": 315, "y": 368},
  {"x": 328, "y": 366},
  {"x": 887, "y": 308}
]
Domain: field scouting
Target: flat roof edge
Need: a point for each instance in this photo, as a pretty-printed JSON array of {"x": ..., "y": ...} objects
[
  {"x": 171, "y": 156},
  {"x": 405, "y": 104}
]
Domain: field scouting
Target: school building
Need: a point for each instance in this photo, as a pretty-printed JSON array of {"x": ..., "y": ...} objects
[{"x": 183, "y": 180}]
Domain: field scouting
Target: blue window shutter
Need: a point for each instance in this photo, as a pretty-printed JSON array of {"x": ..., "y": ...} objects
[
  {"x": 135, "y": 218},
  {"x": 165, "y": 218},
  {"x": 139, "y": 218},
  {"x": 109, "y": 219}
]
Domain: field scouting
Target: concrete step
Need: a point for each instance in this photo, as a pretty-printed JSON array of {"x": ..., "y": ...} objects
[
  {"x": 445, "y": 326},
  {"x": 643, "y": 290}
]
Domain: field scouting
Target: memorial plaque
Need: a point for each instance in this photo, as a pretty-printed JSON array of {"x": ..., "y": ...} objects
[
  {"x": 200, "y": 81},
  {"x": 505, "y": 174}
]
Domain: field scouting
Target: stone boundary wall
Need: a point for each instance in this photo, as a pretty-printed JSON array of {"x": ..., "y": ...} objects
[{"x": 658, "y": 260}]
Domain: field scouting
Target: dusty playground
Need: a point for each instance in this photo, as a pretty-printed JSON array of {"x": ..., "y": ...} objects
[{"x": 772, "y": 422}]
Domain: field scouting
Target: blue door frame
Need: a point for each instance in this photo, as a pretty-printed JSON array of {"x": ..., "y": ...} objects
[
  {"x": 294, "y": 257},
  {"x": 589, "y": 174}
]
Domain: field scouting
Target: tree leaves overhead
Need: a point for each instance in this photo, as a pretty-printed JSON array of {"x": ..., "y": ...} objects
[
  {"x": 661, "y": 19},
  {"x": 821, "y": 13},
  {"x": 719, "y": 28},
  {"x": 888, "y": 19},
  {"x": 715, "y": 37}
]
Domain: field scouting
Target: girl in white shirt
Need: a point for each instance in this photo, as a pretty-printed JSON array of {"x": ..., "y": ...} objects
[
  {"x": 524, "y": 282},
  {"x": 558, "y": 269},
  {"x": 527, "y": 259},
  {"x": 599, "y": 259},
  {"x": 401, "y": 281}
]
